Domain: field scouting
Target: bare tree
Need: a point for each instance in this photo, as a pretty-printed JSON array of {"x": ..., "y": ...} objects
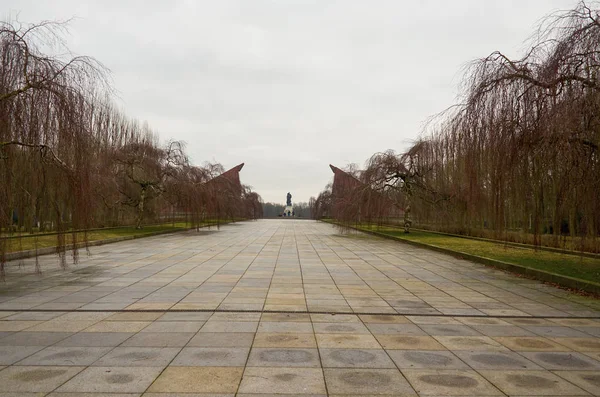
[{"x": 70, "y": 161}]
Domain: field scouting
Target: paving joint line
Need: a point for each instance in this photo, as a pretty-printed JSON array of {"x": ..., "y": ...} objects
[{"x": 408, "y": 314}]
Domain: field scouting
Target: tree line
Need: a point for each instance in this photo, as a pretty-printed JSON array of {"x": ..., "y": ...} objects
[
  {"x": 274, "y": 210},
  {"x": 69, "y": 160},
  {"x": 517, "y": 158}
]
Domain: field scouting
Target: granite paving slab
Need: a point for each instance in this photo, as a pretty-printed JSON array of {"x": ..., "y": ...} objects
[
  {"x": 17, "y": 379},
  {"x": 111, "y": 380},
  {"x": 283, "y": 380},
  {"x": 185, "y": 380},
  {"x": 532, "y": 383}
]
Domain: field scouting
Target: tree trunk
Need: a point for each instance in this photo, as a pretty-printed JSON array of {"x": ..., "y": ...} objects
[{"x": 140, "y": 208}]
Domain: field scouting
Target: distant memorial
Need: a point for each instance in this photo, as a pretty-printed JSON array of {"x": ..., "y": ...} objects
[{"x": 289, "y": 208}]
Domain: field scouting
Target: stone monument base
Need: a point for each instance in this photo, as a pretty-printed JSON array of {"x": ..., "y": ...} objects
[{"x": 288, "y": 211}]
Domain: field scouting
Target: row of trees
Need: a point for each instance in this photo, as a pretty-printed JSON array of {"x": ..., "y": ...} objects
[
  {"x": 519, "y": 157},
  {"x": 274, "y": 210},
  {"x": 377, "y": 194},
  {"x": 70, "y": 161}
]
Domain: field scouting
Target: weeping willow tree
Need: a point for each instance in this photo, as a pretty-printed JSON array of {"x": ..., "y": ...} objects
[
  {"x": 44, "y": 147},
  {"x": 518, "y": 159},
  {"x": 373, "y": 195},
  {"x": 69, "y": 161}
]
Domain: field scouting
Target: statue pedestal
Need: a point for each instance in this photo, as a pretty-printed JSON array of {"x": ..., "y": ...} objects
[{"x": 288, "y": 211}]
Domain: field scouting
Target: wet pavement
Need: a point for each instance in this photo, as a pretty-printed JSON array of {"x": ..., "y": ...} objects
[{"x": 288, "y": 307}]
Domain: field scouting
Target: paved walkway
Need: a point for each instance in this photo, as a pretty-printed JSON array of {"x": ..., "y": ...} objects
[{"x": 259, "y": 298}]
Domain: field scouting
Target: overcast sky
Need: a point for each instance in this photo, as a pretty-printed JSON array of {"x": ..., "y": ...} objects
[{"x": 288, "y": 86}]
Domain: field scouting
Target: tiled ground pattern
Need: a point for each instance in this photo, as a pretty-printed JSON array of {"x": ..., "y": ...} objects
[{"x": 460, "y": 329}]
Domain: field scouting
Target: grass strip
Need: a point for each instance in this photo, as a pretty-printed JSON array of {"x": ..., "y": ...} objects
[
  {"x": 564, "y": 264},
  {"x": 33, "y": 242}
]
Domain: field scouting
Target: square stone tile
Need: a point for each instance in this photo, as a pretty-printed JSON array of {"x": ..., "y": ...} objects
[
  {"x": 563, "y": 361},
  {"x": 33, "y": 316},
  {"x": 135, "y": 316},
  {"x": 496, "y": 360},
  {"x": 211, "y": 357},
  {"x": 367, "y": 382},
  {"x": 591, "y": 331},
  {"x": 282, "y": 381},
  {"x": 118, "y": 326},
  {"x": 149, "y": 306},
  {"x": 11, "y": 354},
  {"x": 95, "y": 339},
  {"x": 35, "y": 379},
  {"x": 392, "y": 329},
  {"x": 286, "y": 317},
  {"x": 222, "y": 339},
  {"x": 431, "y": 382},
  {"x": 334, "y": 318},
  {"x": 432, "y": 320},
  {"x": 25, "y": 338},
  {"x": 284, "y": 339},
  {"x": 355, "y": 358},
  {"x": 576, "y": 322},
  {"x": 58, "y": 325},
  {"x": 269, "y": 326},
  {"x": 243, "y": 306},
  {"x": 138, "y": 357},
  {"x": 482, "y": 321},
  {"x": 59, "y": 394},
  {"x": 84, "y": 316},
  {"x": 60, "y": 306},
  {"x": 229, "y": 326},
  {"x": 174, "y": 326},
  {"x": 536, "y": 343},
  {"x": 556, "y": 331},
  {"x": 502, "y": 330},
  {"x": 271, "y": 395},
  {"x": 283, "y": 357},
  {"x": 448, "y": 330},
  {"x": 583, "y": 345},
  {"x": 185, "y": 316},
  {"x": 69, "y": 356},
  {"x": 7, "y": 314},
  {"x": 185, "y": 380},
  {"x": 594, "y": 355},
  {"x": 428, "y": 359},
  {"x": 409, "y": 342},
  {"x": 587, "y": 380},
  {"x": 384, "y": 319},
  {"x": 13, "y": 326},
  {"x": 347, "y": 341},
  {"x": 340, "y": 328},
  {"x": 159, "y": 339},
  {"x": 226, "y": 316},
  {"x": 529, "y": 321},
  {"x": 111, "y": 380},
  {"x": 531, "y": 383},
  {"x": 504, "y": 312},
  {"x": 469, "y": 343}
]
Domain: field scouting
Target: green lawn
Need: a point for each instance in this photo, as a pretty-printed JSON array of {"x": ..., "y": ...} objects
[
  {"x": 564, "y": 264},
  {"x": 42, "y": 241}
]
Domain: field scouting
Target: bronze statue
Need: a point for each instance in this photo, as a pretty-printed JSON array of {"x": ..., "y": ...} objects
[{"x": 289, "y": 200}]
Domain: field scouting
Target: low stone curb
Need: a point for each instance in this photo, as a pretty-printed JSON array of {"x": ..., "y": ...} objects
[
  {"x": 11, "y": 256},
  {"x": 564, "y": 281}
]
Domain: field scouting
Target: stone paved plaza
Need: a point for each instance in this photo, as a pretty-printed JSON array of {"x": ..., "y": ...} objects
[{"x": 288, "y": 307}]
